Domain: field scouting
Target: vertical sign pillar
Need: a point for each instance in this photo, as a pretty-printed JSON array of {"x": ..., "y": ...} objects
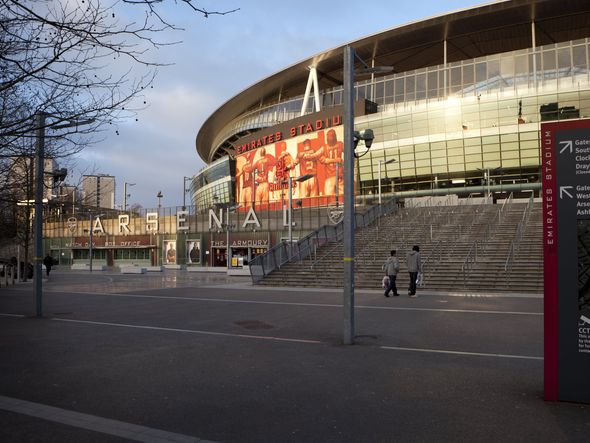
[{"x": 565, "y": 170}]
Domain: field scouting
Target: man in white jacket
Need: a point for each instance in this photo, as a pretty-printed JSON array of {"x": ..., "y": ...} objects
[
  {"x": 414, "y": 262},
  {"x": 391, "y": 267}
]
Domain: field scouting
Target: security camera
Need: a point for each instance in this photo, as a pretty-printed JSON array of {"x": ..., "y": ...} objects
[{"x": 368, "y": 137}]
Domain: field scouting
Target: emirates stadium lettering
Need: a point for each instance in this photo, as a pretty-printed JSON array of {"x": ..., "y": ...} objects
[{"x": 293, "y": 131}]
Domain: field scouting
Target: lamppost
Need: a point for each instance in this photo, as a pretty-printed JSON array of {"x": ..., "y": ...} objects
[
  {"x": 254, "y": 174},
  {"x": 228, "y": 227},
  {"x": 159, "y": 196},
  {"x": 350, "y": 137},
  {"x": 385, "y": 163},
  {"x": 299, "y": 179},
  {"x": 184, "y": 190},
  {"x": 125, "y": 195},
  {"x": 487, "y": 177},
  {"x": 40, "y": 122},
  {"x": 90, "y": 219}
]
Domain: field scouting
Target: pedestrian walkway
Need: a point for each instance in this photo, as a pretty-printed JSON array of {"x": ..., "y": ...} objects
[{"x": 216, "y": 358}]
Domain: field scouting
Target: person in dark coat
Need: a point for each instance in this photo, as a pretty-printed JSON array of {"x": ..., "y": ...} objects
[
  {"x": 391, "y": 268},
  {"x": 48, "y": 262},
  {"x": 414, "y": 262}
]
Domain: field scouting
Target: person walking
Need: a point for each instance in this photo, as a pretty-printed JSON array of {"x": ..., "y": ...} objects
[
  {"x": 48, "y": 262},
  {"x": 414, "y": 262},
  {"x": 391, "y": 268}
]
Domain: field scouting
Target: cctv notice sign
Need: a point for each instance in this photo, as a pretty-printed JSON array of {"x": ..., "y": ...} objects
[{"x": 565, "y": 150}]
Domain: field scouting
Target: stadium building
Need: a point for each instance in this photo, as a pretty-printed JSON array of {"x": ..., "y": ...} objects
[
  {"x": 461, "y": 111},
  {"x": 460, "y": 115}
]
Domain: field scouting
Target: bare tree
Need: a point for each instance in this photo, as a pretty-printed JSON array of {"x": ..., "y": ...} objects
[
  {"x": 72, "y": 60},
  {"x": 76, "y": 60}
]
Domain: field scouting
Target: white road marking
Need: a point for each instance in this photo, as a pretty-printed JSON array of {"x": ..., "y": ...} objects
[
  {"x": 94, "y": 423},
  {"x": 190, "y": 331},
  {"x": 281, "y": 339},
  {"x": 477, "y": 354},
  {"x": 323, "y": 305}
]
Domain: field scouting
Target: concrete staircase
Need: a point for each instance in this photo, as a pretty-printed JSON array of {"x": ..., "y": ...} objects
[{"x": 446, "y": 236}]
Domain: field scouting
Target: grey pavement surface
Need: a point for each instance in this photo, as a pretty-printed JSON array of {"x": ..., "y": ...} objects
[{"x": 179, "y": 356}]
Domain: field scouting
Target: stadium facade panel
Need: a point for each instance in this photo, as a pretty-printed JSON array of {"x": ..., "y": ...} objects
[{"x": 462, "y": 111}]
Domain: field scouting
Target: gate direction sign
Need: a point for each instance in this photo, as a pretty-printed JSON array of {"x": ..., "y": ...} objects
[{"x": 565, "y": 150}]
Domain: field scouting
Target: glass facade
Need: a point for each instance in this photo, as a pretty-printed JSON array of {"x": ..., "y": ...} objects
[
  {"x": 445, "y": 125},
  {"x": 214, "y": 184}
]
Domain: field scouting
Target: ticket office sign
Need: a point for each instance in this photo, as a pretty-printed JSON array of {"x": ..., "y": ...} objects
[{"x": 565, "y": 171}]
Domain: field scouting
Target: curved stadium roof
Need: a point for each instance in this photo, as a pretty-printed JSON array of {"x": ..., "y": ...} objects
[{"x": 470, "y": 33}]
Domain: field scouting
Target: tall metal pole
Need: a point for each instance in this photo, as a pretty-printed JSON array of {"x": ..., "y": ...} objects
[
  {"x": 124, "y": 196},
  {"x": 90, "y": 244},
  {"x": 227, "y": 228},
  {"x": 39, "y": 184},
  {"x": 379, "y": 186},
  {"x": 337, "y": 184},
  {"x": 290, "y": 214},
  {"x": 348, "y": 294}
]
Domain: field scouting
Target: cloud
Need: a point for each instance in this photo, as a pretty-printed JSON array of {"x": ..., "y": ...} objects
[{"x": 158, "y": 148}]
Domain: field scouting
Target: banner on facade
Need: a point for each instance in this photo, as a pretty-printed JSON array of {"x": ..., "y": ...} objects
[
  {"x": 262, "y": 173},
  {"x": 170, "y": 252}
]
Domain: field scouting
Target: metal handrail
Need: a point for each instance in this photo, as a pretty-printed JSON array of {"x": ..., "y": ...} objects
[
  {"x": 506, "y": 205},
  {"x": 515, "y": 243},
  {"x": 433, "y": 258},
  {"x": 283, "y": 253},
  {"x": 470, "y": 259},
  {"x": 368, "y": 218}
]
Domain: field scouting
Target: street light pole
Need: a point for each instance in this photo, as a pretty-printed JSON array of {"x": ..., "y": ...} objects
[
  {"x": 125, "y": 195},
  {"x": 90, "y": 244},
  {"x": 290, "y": 213},
  {"x": 40, "y": 122},
  {"x": 39, "y": 164},
  {"x": 386, "y": 163},
  {"x": 159, "y": 196},
  {"x": 336, "y": 191},
  {"x": 349, "y": 146},
  {"x": 299, "y": 179},
  {"x": 348, "y": 201},
  {"x": 228, "y": 227}
]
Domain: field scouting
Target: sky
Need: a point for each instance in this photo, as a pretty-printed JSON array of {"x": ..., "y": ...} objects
[{"x": 217, "y": 58}]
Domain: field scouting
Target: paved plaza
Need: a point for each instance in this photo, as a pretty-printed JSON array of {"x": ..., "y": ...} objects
[{"x": 179, "y": 356}]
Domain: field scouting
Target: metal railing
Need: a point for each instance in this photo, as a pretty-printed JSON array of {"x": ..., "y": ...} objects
[
  {"x": 515, "y": 243},
  {"x": 283, "y": 253},
  {"x": 429, "y": 265},
  {"x": 469, "y": 262},
  {"x": 484, "y": 237}
]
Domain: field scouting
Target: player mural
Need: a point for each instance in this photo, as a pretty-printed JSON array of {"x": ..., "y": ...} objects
[{"x": 262, "y": 174}]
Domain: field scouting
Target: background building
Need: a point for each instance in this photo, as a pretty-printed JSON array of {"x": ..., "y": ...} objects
[
  {"x": 98, "y": 191},
  {"x": 22, "y": 178}
]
